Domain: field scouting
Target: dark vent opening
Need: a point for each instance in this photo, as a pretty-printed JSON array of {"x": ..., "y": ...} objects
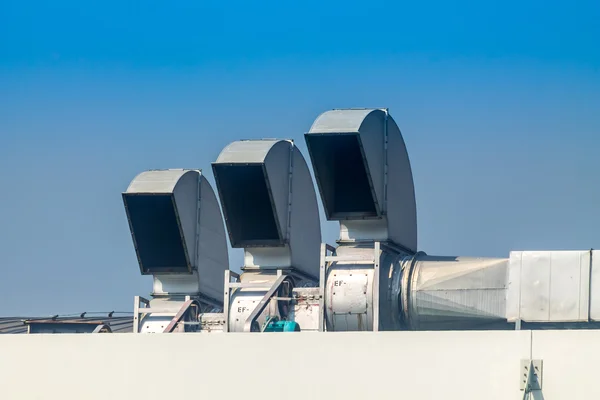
[
  {"x": 341, "y": 175},
  {"x": 247, "y": 205},
  {"x": 156, "y": 233}
]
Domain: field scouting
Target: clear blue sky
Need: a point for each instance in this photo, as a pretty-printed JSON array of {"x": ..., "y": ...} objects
[{"x": 499, "y": 104}]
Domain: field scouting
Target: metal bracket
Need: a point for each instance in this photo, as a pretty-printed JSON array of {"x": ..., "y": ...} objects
[
  {"x": 530, "y": 376},
  {"x": 325, "y": 249},
  {"x": 376, "y": 258},
  {"x": 186, "y": 307},
  {"x": 227, "y": 295},
  {"x": 137, "y": 310},
  {"x": 262, "y": 304}
]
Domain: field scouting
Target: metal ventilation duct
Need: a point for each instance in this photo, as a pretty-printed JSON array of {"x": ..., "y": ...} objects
[
  {"x": 452, "y": 292},
  {"x": 364, "y": 176},
  {"x": 548, "y": 287},
  {"x": 177, "y": 230},
  {"x": 270, "y": 204}
]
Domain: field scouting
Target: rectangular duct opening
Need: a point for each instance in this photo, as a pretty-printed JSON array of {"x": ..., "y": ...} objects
[
  {"x": 155, "y": 227},
  {"x": 342, "y": 175},
  {"x": 247, "y": 205}
]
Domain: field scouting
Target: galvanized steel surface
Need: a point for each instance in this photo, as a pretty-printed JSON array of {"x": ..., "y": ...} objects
[
  {"x": 353, "y": 302},
  {"x": 291, "y": 199},
  {"x": 16, "y": 325},
  {"x": 197, "y": 217},
  {"x": 454, "y": 292},
  {"x": 554, "y": 286},
  {"x": 386, "y": 165},
  {"x": 247, "y": 151},
  {"x": 305, "y": 310}
]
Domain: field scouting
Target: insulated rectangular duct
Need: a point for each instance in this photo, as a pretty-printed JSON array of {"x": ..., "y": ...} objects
[
  {"x": 157, "y": 233},
  {"x": 342, "y": 175},
  {"x": 553, "y": 286},
  {"x": 247, "y": 204}
]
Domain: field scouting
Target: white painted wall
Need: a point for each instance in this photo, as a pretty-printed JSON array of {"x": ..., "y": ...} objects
[{"x": 306, "y": 365}]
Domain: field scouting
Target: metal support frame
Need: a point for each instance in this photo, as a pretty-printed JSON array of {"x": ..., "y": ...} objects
[
  {"x": 189, "y": 304},
  {"x": 270, "y": 289},
  {"x": 376, "y": 256},
  {"x": 228, "y": 286},
  {"x": 531, "y": 376},
  {"x": 289, "y": 203},
  {"x": 137, "y": 310},
  {"x": 325, "y": 248},
  {"x": 264, "y": 301},
  {"x": 102, "y": 328}
]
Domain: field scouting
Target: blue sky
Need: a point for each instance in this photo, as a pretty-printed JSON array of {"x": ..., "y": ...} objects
[{"x": 498, "y": 102}]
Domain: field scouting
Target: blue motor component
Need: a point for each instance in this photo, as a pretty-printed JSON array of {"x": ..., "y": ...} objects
[{"x": 275, "y": 325}]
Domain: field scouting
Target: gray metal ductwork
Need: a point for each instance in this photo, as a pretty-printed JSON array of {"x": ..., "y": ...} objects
[
  {"x": 364, "y": 177},
  {"x": 438, "y": 293},
  {"x": 363, "y": 173},
  {"x": 271, "y": 212},
  {"x": 374, "y": 279},
  {"x": 179, "y": 238}
]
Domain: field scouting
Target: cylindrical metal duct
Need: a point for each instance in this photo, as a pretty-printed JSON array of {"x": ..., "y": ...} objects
[{"x": 444, "y": 293}]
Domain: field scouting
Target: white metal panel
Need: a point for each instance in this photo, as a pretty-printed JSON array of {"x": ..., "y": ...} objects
[
  {"x": 594, "y": 285},
  {"x": 513, "y": 292},
  {"x": 349, "y": 299},
  {"x": 347, "y": 365},
  {"x": 549, "y": 286},
  {"x": 373, "y": 229},
  {"x": 568, "y": 298},
  {"x": 535, "y": 286},
  {"x": 268, "y": 257},
  {"x": 175, "y": 283},
  {"x": 306, "y": 309}
]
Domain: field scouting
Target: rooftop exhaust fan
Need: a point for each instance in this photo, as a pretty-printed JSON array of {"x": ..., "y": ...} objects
[
  {"x": 271, "y": 212},
  {"x": 179, "y": 238}
]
